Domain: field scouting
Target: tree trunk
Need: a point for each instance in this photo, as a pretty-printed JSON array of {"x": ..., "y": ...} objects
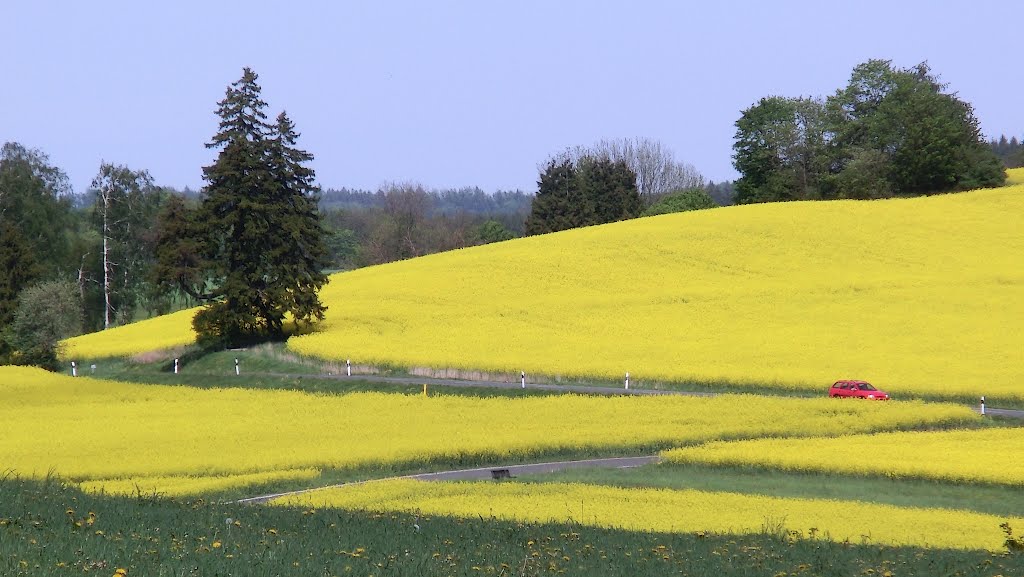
[{"x": 106, "y": 262}]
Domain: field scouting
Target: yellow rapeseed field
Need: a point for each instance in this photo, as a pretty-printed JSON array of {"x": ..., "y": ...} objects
[
  {"x": 181, "y": 439},
  {"x": 667, "y": 510},
  {"x": 163, "y": 332},
  {"x": 1015, "y": 176},
  {"x": 920, "y": 296},
  {"x": 190, "y": 485},
  {"x": 979, "y": 456}
]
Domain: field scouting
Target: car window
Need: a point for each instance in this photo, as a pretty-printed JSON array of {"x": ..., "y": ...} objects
[{"x": 867, "y": 387}]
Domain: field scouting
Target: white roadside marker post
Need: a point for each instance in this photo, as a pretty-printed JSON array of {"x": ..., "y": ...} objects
[
  {"x": 74, "y": 369},
  {"x": 983, "y": 406},
  {"x": 237, "y": 372},
  {"x": 522, "y": 376},
  {"x": 627, "y": 380},
  {"x": 175, "y": 366},
  {"x": 348, "y": 367}
]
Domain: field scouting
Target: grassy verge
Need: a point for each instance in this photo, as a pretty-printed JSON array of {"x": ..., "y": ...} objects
[
  {"x": 262, "y": 368},
  {"x": 996, "y": 500},
  {"x": 47, "y": 528},
  {"x": 259, "y": 365}
]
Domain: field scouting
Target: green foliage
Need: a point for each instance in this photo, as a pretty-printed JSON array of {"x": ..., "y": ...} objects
[
  {"x": 866, "y": 175},
  {"x": 930, "y": 137},
  {"x": 342, "y": 248},
  {"x": 493, "y": 231},
  {"x": 18, "y": 269},
  {"x": 682, "y": 201},
  {"x": 49, "y": 528},
  {"x": 36, "y": 196},
  {"x": 260, "y": 246},
  {"x": 558, "y": 203},
  {"x": 591, "y": 190},
  {"x": 177, "y": 254},
  {"x": 47, "y": 313},
  {"x": 888, "y": 132},
  {"x": 126, "y": 204},
  {"x": 781, "y": 151},
  {"x": 609, "y": 186}
]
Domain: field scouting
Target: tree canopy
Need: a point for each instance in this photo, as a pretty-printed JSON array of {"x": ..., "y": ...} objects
[
  {"x": 590, "y": 190},
  {"x": 682, "y": 201},
  {"x": 47, "y": 313},
  {"x": 36, "y": 195},
  {"x": 888, "y": 132}
]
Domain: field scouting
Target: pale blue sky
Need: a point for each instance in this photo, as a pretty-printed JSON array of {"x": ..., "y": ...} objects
[{"x": 466, "y": 93}]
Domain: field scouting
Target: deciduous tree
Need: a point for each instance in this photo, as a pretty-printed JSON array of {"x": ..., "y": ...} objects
[
  {"x": 47, "y": 313},
  {"x": 126, "y": 203},
  {"x": 657, "y": 170},
  {"x": 930, "y": 138},
  {"x": 35, "y": 197},
  {"x": 682, "y": 201},
  {"x": 778, "y": 150}
]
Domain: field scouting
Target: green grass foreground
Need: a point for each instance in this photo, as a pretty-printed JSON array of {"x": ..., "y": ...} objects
[{"x": 47, "y": 528}]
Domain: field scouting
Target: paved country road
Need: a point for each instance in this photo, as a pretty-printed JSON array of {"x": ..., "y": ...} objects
[
  {"x": 586, "y": 389},
  {"x": 431, "y": 381},
  {"x": 502, "y": 471},
  {"x": 1009, "y": 413},
  {"x": 497, "y": 472}
]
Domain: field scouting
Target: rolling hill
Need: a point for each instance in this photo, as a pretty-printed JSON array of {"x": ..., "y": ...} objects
[{"x": 921, "y": 296}]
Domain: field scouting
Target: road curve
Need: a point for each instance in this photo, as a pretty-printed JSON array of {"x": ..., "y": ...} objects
[
  {"x": 1009, "y": 413},
  {"x": 524, "y": 469},
  {"x": 478, "y": 473}
]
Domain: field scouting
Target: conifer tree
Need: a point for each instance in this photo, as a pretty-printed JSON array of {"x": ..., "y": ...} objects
[
  {"x": 557, "y": 201},
  {"x": 583, "y": 192},
  {"x": 260, "y": 241}
]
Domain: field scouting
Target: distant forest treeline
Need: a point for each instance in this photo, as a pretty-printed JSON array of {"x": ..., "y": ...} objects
[
  {"x": 470, "y": 200},
  {"x": 400, "y": 221},
  {"x": 1011, "y": 151}
]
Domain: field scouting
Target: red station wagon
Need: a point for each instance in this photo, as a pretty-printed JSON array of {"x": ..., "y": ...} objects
[{"x": 857, "y": 389}]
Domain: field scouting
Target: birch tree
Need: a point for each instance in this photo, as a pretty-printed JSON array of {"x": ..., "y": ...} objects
[
  {"x": 657, "y": 170},
  {"x": 125, "y": 202}
]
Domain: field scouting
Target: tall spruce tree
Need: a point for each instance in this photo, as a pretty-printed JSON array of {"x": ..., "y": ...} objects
[
  {"x": 261, "y": 244},
  {"x": 610, "y": 186},
  {"x": 301, "y": 248},
  {"x": 558, "y": 204},
  {"x": 581, "y": 192}
]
